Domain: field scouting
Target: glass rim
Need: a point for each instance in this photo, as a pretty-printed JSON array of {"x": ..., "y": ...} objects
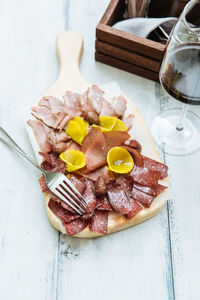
[{"x": 190, "y": 3}]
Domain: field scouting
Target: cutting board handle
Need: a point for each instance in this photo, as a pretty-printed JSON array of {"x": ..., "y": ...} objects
[{"x": 69, "y": 45}]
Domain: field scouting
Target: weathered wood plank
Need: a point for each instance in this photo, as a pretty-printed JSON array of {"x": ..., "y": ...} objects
[{"x": 28, "y": 244}]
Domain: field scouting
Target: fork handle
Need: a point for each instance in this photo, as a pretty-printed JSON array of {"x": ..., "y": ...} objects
[{"x": 16, "y": 148}]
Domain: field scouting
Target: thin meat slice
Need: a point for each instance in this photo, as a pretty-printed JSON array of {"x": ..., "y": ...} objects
[
  {"x": 115, "y": 138},
  {"x": 95, "y": 97},
  {"x": 99, "y": 221},
  {"x": 73, "y": 146},
  {"x": 143, "y": 198},
  {"x": 137, "y": 157},
  {"x": 155, "y": 166},
  {"x": 75, "y": 226},
  {"x": 149, "y": 190},
  {"x": 119, "y": 105},
  {"x": 43, "y": 184},
  {"x": 136, "y": 208},
  {"x": 128, "y": 121},
  {"x": 88, "y": 139},
  {"x": 100, "y": 187},
  {"x": 64, "y": 215},
  {"x": 103, "y": 172},
  {"x": 160, "y": 188},
  {"x": 52, "y": 163},
  {"x": 89, "y": 196},
  {"x": 52, "y": 103},
  {"x": 118, "y": 199},
  {"x": 40, "y": 135},
  {"x": 46, "y": 116},
  {"x": 145, "y": 176},
  {"x": 72, "y": 100},
  {"x": 96, "y": 153},
  {"x": 79, "y": 183},
  {"x": 133, "y": 144},
  {"x": 103, "y": 203},
  {"x": 126, "y": 183},
  {"x": 107, "y": 109}
]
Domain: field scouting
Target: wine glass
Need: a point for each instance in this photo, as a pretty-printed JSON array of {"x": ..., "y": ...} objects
[{"x": 177, "y": 131}]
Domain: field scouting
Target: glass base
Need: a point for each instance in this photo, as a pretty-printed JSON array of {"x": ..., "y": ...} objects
[{"x": 173, "y": 141}]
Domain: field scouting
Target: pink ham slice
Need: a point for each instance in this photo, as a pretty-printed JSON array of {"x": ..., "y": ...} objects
[
  {"x": 95, "y": 98},
  {"x": 72, "y": 100},
  {"x": 119, "y": 105},
  {"x": 115, "y": 138},
  {"x": 46, "y": 116},
  {"x": 96, "y": 151},
  {"x": 73, "y": 146},
  {"x": 128, "y": 121},
  {"x": 155, "y": 166},
  {"x": 141, "y": 197},
  {"x": 99, "y": 221},
  {"x": 40, "y": 135},
  {"x": 107, "y": 109},
  {"x": 52, "y": 163}
]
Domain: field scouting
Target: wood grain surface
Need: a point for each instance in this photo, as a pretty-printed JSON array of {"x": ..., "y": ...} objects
[{"x": 159, "y": 259}]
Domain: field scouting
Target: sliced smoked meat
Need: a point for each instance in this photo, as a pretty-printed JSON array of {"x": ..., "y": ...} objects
[
  {"x": 136, "y": 208},
  {"x": 99, "y": 221},
  {"x": 133, "y": 144},
  {"x": 137, "y": 157},
  {"x": 126, "y": 183},
  {"x": 103, "y": 203},
  {"x": 118, "y": 199},
  {"x": 155, "y": 166},
  {"x": 141, "y": 197},
  {"x": 52, "y": 163},
  {"x": 43, "y": 184},
  {"x": 63, "y": 214},
  {"x": 75, "y": 226},
  {"x": 115, "y": 138},
  {"x": 145, "y": 176}
]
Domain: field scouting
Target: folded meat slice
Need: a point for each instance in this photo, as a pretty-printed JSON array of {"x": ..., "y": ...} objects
[
  {"x": 99, "y": 221},
  {"x": 126, "y": 183},
  {"x": 75, "y": 226},
  {"x": 96, "y": 151},
  {"x": 145, "y": 176},
  {"x": 40, "y": 135},
  {"x": 63, "y": 214},
  {"x": 46, "y": 116},
  {"x": 119, "y": 105},
  {"x": 118, "y": 199},
  {"x": 103, "y": 172},
  {"x": 72, "y": 100},
  {"x": 128, "y": 121},
  {"x": 115, "y": 138},
  {"x": 136, "y": 208},
  {"x": 52, "y": 163},
  {"x": 107, "y": 109},
  {"x": 95, "y": 97},
  {"x": 156, "y": 166},
  {"x": 103, "y": 203},
  {"x": 141, "y": 197},
  {"x": 52, "y": 103}
]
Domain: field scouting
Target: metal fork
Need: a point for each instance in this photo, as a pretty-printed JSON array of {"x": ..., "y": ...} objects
[{"x": 58, "y": 183}]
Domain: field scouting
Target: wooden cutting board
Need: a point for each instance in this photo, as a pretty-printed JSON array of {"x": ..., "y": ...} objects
[{"x": 69, "y": 47}]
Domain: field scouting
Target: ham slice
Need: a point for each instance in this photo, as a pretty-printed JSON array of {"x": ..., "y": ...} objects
[
  {"x": 40, "y": 135},
  {"x": 95, "y": 98},
  {"x": 107, "y": 109},
  {"x": 96, "y": 151},
  {"x": 115, "y": 138},
  {"x": 72, "y": 100},
  {"x": 99, "y": 221},
  {"x": 46, "y": 116},
  {"x": 119, "y": 105},
  {"x": 128, "y": 121}
]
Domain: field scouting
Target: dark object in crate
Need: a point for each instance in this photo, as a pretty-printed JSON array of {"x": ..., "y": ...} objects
[{"x": 127, "y": 51}]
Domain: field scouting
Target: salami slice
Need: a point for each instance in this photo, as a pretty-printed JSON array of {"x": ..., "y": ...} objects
[
  {"x": 103, "y": 203},
  {"x": 136, "y": 208},
  {"x": 89, "y": 196},
  {"x": 141, "y": 197},
  {"x": 75, "y": 226},
  {"x": 79, "y": 183},
  {"x": 64, "y": 215},
  {"x": 52, "y": 163},
  {"x": 118, "y": 199},
  {"x": 99, "y": 221},
  {"x": 155, "y": 166},
  {"x": 43, "y": 184},
  {"x": 126, "y": 183},
  {"x": 145, "y": 176}
]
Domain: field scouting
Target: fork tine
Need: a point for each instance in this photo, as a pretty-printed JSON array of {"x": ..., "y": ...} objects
[
  {"x": 72, "y": 194},
  {"x": 66, "y": 200},
  {"x": 65, "y": 194},
  {"x": 68, "y": 182}
]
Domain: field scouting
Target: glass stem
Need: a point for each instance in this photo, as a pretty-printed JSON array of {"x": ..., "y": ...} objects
[{"x": 179, "y": 126}]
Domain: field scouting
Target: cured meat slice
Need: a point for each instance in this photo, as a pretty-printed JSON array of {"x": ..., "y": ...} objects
[
  {"x": 73, "y": 146},
  {"x": 99, "y": 221},
  {"x": 148, "y": 190},
  {"x": 155, "y": 166},
  {"x": 107, "y": 109},
  {"x": 89, "y": 196},
  {"x": 52, "y": 103},
  {"x": 95, "y": 97},
  {"x": 145, "y": 177},
  {"x": 118, "y": 199},
  {"x": 100, "y": 187},
  {"x": 103, "y": 172},
  {"x": 46, "y": 116},
  {"x": 115, "y": 138},
  {"x": 119, "y": 105},
  {"x": 79, "y": 183},
  {"x": 133, "y": 144},
  {"x": 43, "y": 184},
  {"x": 141, "y": 197},
  {"x": 128, "y": 121},
  {"x": 137, "y": 157},
  {"x": 103, "y": 203},
  {"x": 64, "y": 215},
  {"x": 160, "y": 188},
  {"x": 52, "y": 163},
  {"x": 75, "y": 226},
  {"x": 136, "y": 208},
  {"x": 126, "y": 183},
  {"x": 97, "y": 150},
  {"x": 40, "y": 135},
  {"x": 72, "y": 100}
]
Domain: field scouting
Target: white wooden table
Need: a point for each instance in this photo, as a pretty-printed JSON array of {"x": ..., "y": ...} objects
[{"x": 159, "y": 259}]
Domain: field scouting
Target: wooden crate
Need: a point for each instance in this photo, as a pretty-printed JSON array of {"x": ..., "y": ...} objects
[{"x": 124, "y": 50}]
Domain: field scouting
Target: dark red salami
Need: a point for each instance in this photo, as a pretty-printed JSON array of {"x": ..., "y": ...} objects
[
  {"x": 103, "y": 203},
  {"x": 136, "y": 207},
  {"x": 79, "y": 183},
  {"x": 75, "y": 226},
  {"x": 126, "y": 183},
  {"x": 63, "y": 214},
  {"x": 155, "y": 166},
  {"x": 145, "y": 176},
  {"x": 99, "y": 221},
  {"x": 118, "y": 199},
  {"x": 52, "y": 163},
  {"x": 141, "y": 197},
  {"x": 160, "y": 188},
  {"x": 43, "y": 184},
  {"x": 145, "y": 189},
  {"x": 89, "y": 196}
]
